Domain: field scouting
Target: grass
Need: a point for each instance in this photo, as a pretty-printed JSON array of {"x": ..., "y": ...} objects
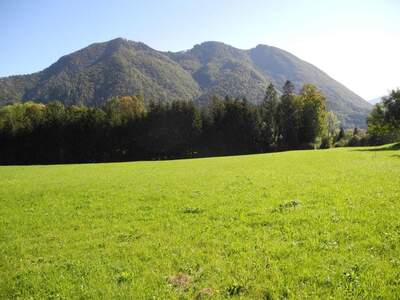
[{"x": 301, "y": 224}]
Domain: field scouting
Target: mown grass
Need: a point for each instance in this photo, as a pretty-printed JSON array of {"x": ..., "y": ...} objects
[{"x": 302, "y": 224}]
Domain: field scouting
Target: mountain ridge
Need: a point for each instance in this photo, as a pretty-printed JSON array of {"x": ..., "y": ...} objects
[{"x": 119, "y": 67}]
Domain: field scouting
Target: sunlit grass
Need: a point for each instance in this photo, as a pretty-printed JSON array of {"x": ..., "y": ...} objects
[{"x": 300, "y": 224}]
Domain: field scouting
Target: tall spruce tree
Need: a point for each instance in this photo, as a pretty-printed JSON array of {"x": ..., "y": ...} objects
[
  {"x": 289, "y": 114},
  {"x": 269, "y": 115}
]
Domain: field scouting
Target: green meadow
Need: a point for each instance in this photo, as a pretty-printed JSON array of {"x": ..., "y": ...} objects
[{"x": 297, "y": 225}]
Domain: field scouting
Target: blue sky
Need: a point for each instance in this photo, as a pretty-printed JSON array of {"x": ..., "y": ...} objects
[{"x": 356, "y": 42}]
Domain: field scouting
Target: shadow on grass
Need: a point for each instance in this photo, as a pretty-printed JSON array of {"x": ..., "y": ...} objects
[{"x": 384, "y": 148}]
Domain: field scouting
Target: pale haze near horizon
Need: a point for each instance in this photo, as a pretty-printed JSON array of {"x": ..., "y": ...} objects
[{"x": 355, "y": 42}]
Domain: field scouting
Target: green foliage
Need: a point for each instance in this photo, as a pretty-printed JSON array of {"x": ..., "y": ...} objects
[
  {"x": 297, "y": 225},
  {"x": 302, "y": 117},
  {"x": 172, "y": 129},
  {"x": 341, "y": 134},
  {"x": 290, "y": 117},
  {"x": 392, "y": 105},
  {"x": 313, "y": 123},
  {"x": 21, "y": 118},
  {"x": 332, "y": 126},
  {"x": 122, "y": 109},
  {"x": 384, "y": 120},
  {"x": 270, "y": 119},
  {"x": 231, "y": 126},
  {"x": 326, "y": 143}
]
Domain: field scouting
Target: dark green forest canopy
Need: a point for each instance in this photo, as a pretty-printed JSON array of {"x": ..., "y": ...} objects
[
  {"x": 125, "y": 129},
  {"x": 120, "y": 67}
]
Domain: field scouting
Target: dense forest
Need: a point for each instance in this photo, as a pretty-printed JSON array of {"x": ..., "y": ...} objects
[{"x": 126, "y": 129}]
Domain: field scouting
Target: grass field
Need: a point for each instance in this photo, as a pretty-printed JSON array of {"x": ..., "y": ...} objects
[{"x": 301, "y": 224}]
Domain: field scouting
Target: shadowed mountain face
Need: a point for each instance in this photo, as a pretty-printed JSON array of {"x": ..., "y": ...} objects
[{"x": 120, "y": 67}]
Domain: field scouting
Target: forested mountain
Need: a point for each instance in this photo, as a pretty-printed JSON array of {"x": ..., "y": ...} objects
[
  {"x": 92, "y": 75},
  {"x": 120, "y": 67}
]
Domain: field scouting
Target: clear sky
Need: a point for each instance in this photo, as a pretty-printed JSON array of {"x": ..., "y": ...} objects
[{"x": 357, "y": 42}]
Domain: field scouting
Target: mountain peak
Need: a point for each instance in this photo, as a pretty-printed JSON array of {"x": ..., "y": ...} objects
[
  {"x": 122, "y": 42},
  {"x": 211, "y": 44},
  {"x": 118, "y": 40},
  {"x": 263, "y": 46}
]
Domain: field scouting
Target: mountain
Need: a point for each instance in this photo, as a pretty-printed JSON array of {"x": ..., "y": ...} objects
[
  {"x": 120, "y": 67},
  {"x": 375, "y": 100},
  {"x": 91, "y": 75}
]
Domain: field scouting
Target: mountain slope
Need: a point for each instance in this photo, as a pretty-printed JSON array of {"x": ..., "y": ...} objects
[
  {"x": 120, "y": 67},
  {"x": 222, "y": 70},
  {"x": 279, "y": 65},
  {"x": 92, "y": 75}
]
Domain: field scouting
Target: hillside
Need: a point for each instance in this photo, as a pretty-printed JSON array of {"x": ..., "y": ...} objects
[
  {"x": 121, "y": 67},
  {"x": 92, "y": 75},
  {"x": 298, "y": 225}
]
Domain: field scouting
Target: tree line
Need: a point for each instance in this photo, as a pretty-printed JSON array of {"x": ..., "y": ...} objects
[
  {"x": 384, "y": 120},
  {"x": 383, "y": 125},
  {"x": 126, "y": 129}
]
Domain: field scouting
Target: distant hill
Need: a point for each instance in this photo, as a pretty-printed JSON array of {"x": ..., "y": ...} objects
[
  {"x": 121, "y": 67},
  {"x": 375, "y": 100}
]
